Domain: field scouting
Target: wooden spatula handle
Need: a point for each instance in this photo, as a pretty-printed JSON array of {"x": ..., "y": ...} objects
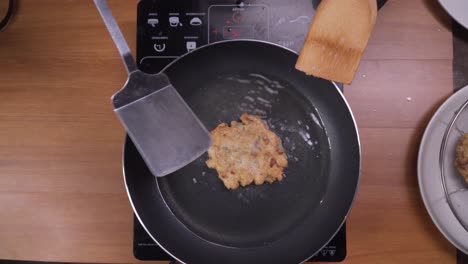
[{"x": 337, "y": 37}]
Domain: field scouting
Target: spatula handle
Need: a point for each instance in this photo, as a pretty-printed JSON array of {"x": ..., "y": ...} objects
[{"x": 116, "y": 35}]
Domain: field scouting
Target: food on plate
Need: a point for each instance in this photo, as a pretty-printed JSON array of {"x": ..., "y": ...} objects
[
  {"x": 461, "y": 161},
  {"x": 246, "y": 152}
]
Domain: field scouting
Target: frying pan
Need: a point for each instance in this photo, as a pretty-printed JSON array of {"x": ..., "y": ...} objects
[{"x": 190, "y": 213}]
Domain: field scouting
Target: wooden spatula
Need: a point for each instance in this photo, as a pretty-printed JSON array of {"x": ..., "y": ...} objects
[{"x": 337, "y": 37}]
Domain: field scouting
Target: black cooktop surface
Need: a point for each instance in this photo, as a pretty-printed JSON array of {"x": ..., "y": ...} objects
[{"x": 169, "y": 29}]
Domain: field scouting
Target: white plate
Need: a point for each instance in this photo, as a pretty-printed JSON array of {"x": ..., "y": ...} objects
[
  {"x": 458, "y": 9},
  {"x": 429, "y": 174}
]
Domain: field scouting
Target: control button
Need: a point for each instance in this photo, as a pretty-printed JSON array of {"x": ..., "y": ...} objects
[
  {"x": 191, "y": 45},
  {"x": 153, "y": 21},
  {"x": 159, "y": 47},
  {"x": 236, "y": 32},
  {"x": 238, "y": 17},
  {"x": 174, "y": 21},
  {"x": 196, "y": 21}
]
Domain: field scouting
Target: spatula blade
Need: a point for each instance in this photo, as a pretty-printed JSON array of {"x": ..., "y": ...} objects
[
  {"x": 165, "y": 130},
  {"x": 337, "y": 38}
]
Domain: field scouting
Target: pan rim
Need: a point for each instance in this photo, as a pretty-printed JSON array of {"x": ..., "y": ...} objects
[{"x": 342, "y": 97}]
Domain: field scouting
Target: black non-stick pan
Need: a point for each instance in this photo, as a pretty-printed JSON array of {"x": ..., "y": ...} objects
[{"x": 192, "y": 215}]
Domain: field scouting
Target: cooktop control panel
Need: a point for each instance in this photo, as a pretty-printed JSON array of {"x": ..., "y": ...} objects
[{"x": 169, "y": 29}]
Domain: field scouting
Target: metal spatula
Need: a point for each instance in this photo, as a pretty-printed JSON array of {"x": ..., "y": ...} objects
[{"x": 162, "y": 126}]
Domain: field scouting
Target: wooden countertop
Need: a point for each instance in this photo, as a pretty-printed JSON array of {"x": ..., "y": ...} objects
[{"x": 62, "y": 196}]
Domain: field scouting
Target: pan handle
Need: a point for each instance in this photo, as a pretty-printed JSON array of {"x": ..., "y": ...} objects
[{"x": 116, "y": 35}]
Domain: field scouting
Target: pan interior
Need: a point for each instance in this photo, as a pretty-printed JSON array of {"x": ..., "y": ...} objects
[{"x": 252, "y": 216}]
